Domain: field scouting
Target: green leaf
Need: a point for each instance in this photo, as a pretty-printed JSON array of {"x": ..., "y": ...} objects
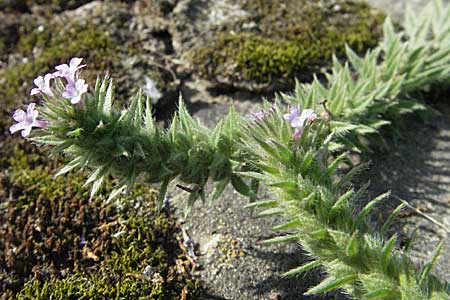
[
  {"x": 339, "y": 204},
  {"x": 254, "y": 175},
  {"x": 271, "y": 212},
  {"x": 391, "y": 219},
  {"x": 48, "y": 140},
  {"x": 330, "y": 284},
  {"x": 281, "y": 239},
  {"x": 302, "y": 269},
  {"x": 335, "y": 164},
  {"x": 148, "y": 116},
  {"x": 287, "y": 185},
  {"x": 115, "y": 192},
  {"x": 289, "y": 225},
  {"x": 386, "y": 253},
  {"x": 319, "y": 234},
  {"x": 100, "y": 92},
  {"x": 266, "y": 203},
  {"x": 190, "y": 203},
  {"x": 369, "y": 206},
  {"x": 218, "y": 189},
  {"x": 411, "y": 240},
  {"x": 162, "y": 193},
  {"x": 240, "y": 186},
  {"x": 430, "y": 263},
  {"x": 107, "y": 103},
  {"x": 383, "y": 293},
  {"x": 352, "y": 245},
  {"x": 70, "y": 166},
  {"x": 96, "y": 185},
  {"x": 355, "y": 60},
  {"x": 388, "y": 29},
  {"x": 306, "y": 162}
]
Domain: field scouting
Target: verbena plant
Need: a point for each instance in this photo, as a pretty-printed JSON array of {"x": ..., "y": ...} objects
[{"x": 294, "y": 147}]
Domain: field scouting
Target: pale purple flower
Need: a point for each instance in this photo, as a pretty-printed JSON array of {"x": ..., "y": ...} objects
[
  {"x": 74, "y": 91},
  {"x": 68, "y": 71},
  {"x": 26, "y": 120},
  {"x": 298, "y": 119},
  {"x": 292, "y": 115},
  {"x": 190, "y": 245},
  {"x": 82, "y": 241},
  {"x": 260, "y": 116},
  {"x": 166, "y": 202},
  {"x": 43, "y": 85}
]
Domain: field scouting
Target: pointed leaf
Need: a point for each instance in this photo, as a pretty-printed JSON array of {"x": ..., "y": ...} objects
[
  {"x": 369, "y": 206},
  {"x": 430, "y": 263},
  {"x": 266, "y": 203},
  {"x": 289, "y": 225},
  {"x": 391, "y": 219},
  {"x": 70, "y": 166},
  {"x": 302, "y": 269},
  {"x": 330, "y": 284},
  {"x": 281, "y": 239},
  {"x": 219, "y": 187},
  {"x": 386, "y": 253}
]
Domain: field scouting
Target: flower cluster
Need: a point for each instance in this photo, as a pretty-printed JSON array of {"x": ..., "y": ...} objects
[
  {"x": 73, "y": 90},
  {"x": 75, "y": 87},
  {"x": 262, "y": 115},
  {"x": 298, "y": 119}
]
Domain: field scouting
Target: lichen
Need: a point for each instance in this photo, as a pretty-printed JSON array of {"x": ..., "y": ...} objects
[{"x": 287, "y": 40}]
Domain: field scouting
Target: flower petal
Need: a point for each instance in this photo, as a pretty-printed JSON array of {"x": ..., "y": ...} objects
[
  {"x": 297, "y": 122},
  {"x": 75, "y": 99},
  {"x": 308, "y": 114},
  {"x": 19, "y": 115},
  {"x": 39, "y": 82},
  {"x": 75, "y": 62},
  {"x": 62, "y": 71},
  {"x": 35, "y": 91},
  {"x": 294, "y": 113},
  {"x": 26, "y": 131},
  {"x": 298, "y": 132},
  {"x": 30, "y": 109},
  {"x": 16, "y": 127},
  {"x": 39, "y": 123}
]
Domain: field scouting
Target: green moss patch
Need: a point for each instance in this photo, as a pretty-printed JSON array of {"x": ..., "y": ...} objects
[
  {"x": 288, "y": 39},
  {"x": 58, "y": 244}
]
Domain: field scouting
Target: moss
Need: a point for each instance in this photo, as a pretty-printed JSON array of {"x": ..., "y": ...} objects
[
  {"x": 290, "y": 38},
  {"x": 71, "y": 246},
  {"x": 121, "y": 276},
  {"x": 48, "y": 48}
]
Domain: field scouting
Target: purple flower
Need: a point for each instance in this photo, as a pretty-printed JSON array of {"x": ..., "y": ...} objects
[
  {"x": 43, "y": 85},
  {"x": 166, "y": 202},
  {"x": 82, "y": 241},
  {"x": 68, "y": 71},
  {"x": 75, "y": 90},
  {"x": 260, "y": 116},
  {"x": 26, "y": 120},
  {"x": 298, "y": 119}
]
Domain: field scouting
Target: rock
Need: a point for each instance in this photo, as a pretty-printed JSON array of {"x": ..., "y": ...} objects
[{"x": 261, "y": 47}]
